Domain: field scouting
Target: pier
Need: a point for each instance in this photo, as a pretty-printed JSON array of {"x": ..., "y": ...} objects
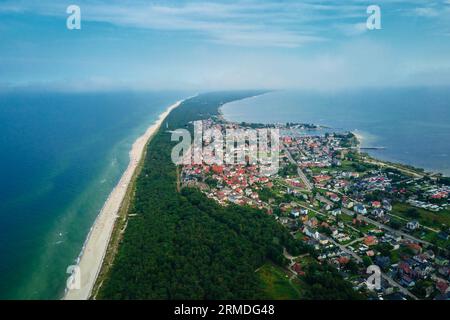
[{"x": 372, "y": 148}]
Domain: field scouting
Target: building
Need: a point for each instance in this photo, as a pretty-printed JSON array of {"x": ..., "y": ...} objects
[
  {"x": 370, "y": 240},
  {"x": 413, "y": 225},
  {"x": 359, "y": 208}
]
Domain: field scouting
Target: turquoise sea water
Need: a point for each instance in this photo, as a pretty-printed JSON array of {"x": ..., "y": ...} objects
[
  {"x": 61, "y": 155},
  {"x": 413, "y": 124}
]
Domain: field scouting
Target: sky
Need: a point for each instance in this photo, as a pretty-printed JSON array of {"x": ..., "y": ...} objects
[{"x": 209, "y": 45}]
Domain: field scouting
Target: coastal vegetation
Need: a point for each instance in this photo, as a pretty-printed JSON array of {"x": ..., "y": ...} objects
[
  {"x": 182, "y": 245},
  {"x": 354, "y": 210}
]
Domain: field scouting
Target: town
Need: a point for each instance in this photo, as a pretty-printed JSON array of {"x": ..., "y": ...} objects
[{"x": 354, "y": 210}]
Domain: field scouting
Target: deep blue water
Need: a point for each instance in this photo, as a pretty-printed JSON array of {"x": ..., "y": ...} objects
[
  {"x": 412, "y": 123},
  {"x": 61, "y": 155}
]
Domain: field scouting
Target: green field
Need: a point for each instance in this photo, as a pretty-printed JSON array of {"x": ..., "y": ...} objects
[
  {"x": 426, "y": 218},
  {"x": 276, "y": 284},
  {"x": 432, "y": 237}
]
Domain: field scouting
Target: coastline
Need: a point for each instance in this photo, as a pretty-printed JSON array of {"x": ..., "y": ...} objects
[
  {"x": 92, "y": 255},
  {"x": 359, "y": 137},
  {"x": 421, "y": 148},
  {"x": 361, "y": 140},
  {"x": 222, "y": 115}
]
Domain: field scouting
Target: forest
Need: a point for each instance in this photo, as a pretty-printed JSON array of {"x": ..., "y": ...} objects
[{"x": 182, "y": 245}]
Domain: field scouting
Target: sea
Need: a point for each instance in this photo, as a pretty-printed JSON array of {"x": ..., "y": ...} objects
[
  {"x": 63, "y": 153},
  {"x": 61, "y": 156},
  {"x": 410, "y": 124}
]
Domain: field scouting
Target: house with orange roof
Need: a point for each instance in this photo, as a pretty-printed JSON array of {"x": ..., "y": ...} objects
[{"x": 370, "y": 240}]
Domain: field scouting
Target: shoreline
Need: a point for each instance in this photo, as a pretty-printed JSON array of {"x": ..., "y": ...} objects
[
  {"x": 94, "y": 249},
  {"x": 222, "y": 115},
  {"x": 360, "y": 138}
]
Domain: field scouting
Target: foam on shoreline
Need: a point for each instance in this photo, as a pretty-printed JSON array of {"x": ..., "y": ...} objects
[{"x": 94, "y": 249}]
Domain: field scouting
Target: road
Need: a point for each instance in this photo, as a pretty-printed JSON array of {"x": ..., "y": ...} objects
[
  {"x": 404, "y": 170},
  {"x": 292, "y": 259},
  {"x": 388, "y": 213},
  {"x": 406, "y": 220},
  {"x": 385, "y": 227},
  {"x": 300, "y": 173},
  {"x": 354, "y": 241},
  {"x": 395, "y": 284},
  {"x": 379, "y": 224},
  {"x": 344, "y": 248},
  {"x": 391, "y": 281}
]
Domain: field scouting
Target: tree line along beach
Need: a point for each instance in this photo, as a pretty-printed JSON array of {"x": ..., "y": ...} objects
[{"x": 158, "y": 206}]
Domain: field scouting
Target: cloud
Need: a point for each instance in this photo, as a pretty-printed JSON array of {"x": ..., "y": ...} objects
[
  {"x": 426, "y": 12},
  {"x": 229, "y": 44},
  {"x": 248, "y": 23},
  {"x": 429, "y": 9},
  {"x": 352, "y": 29}
]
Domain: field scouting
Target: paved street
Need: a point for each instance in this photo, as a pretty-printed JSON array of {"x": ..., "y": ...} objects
[{"x": 300, "y": 173}]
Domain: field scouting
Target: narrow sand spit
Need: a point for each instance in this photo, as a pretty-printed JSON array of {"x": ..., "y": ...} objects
[{"x": 94, "y": 250}]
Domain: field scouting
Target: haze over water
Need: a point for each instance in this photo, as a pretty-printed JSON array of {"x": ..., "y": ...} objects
[
  {"x": 413, "y": 124},
  {"x": 61, "y": 155}
]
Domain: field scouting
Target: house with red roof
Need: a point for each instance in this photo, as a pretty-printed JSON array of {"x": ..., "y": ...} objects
[
  {"x": 442, "y": 286},
  {"x": 370, "y": 240},
  {"x": 321, "y": 178},
  {"x": 376, "y": 204},
  {"x": 404, "y": 268},
  {"x": 287, "y": 140},
  {"x": 217, "y": 169},
  {"x": 343, "y": 260},
  {"x": 298, "y": 269},
  {"x": 263, "y": 179},
  {"x": 415, "y": 247}
]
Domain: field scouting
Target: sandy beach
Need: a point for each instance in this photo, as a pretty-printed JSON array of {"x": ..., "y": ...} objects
[{"x": 94, "y": 249}]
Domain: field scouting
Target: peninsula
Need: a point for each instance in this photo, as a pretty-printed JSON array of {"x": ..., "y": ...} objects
[{"x": 308, "y": 232}]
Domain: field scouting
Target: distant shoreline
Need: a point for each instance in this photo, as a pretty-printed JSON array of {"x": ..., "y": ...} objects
[
  {"x": 94, "y": 249},
  {"x": 416, "y": 171}
]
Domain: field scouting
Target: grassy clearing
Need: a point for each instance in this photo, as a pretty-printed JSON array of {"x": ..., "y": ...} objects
[
  {"x": 426, "y": 218},
  {"x": 276, "y": 284}
]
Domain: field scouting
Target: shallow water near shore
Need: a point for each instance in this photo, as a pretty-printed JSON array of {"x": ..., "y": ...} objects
[
  {"x": 62, "y": 154},
  {"x": 412, "y": 124}
]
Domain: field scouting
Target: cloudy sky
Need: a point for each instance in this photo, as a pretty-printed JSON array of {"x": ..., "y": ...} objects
[{"x": 205, "y": 45}]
